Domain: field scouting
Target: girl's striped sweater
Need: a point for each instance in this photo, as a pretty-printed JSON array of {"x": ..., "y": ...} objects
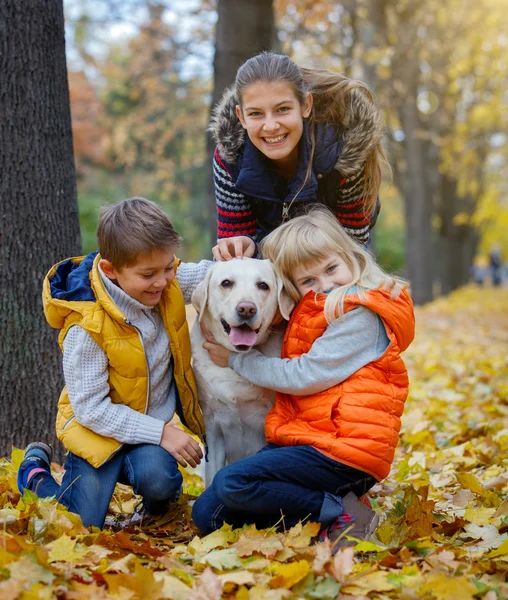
[{"x": 235, "y": 215}]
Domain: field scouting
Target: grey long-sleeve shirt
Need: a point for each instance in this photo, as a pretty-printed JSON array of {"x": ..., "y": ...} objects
[
  {"x": 86, "y": 374},
  {"x": 348, "y": 344}
]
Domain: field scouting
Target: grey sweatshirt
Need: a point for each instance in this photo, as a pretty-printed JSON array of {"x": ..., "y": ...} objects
[
  {"x": 86, "y": 374},
  {"x": 348, "y": 344}
]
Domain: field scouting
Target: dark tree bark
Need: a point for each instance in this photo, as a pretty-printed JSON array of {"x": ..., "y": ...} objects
[
  {"x": 418, "y": 207},
  {"x": 39, "y": 222},
  {"x": 244, "y": 28},
  {"x": 457, "y": 241},
  {"x": 418, "y": 204}
]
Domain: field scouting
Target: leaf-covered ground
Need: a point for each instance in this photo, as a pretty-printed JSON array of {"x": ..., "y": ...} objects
[{"x": 443, "y": 533}]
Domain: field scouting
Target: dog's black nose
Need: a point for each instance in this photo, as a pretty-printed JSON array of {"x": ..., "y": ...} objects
[{"x": 246, "y": 310}]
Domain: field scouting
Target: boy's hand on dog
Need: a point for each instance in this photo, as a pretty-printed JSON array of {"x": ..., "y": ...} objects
[
  {"x": 218, "y": 354},
  {"x": 181, "y": 446},
  {"x": 234, "y": 247}
]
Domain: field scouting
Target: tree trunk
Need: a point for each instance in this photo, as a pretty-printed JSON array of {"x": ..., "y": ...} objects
[
  {"x": 39, "y": 223},
  {"x": 417, "y": 197},
  {"x": 457, "y": 241},
  {"x": 449, "y": 238},
  {"x": 244, "y": 28}
]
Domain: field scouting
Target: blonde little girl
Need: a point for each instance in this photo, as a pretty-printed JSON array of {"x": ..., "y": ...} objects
[{"x": 341, "y": 386}]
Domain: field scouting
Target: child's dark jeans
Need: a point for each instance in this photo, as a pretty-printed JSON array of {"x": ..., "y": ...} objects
[
  {"x": 293, "y": 482},
  {"x": 85, "y": 490}
]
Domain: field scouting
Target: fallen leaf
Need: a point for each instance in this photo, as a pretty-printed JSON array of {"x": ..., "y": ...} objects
[
  {"x": 376, "y": 581},
  {"x": 238, "y": 578},
  {"x": 172, "y": 587},
  {"x": 64, "y": 549},
  {"x": 218, "y": 539},
  {"x": 443, "y": 587},
  {"x": 222, "y": 559},
  {"x": 469, "y": 481},
  {"x": 342, "y": 564},
  {"x": 207, "y": 587},
  {"x": 289, "y": 575}
]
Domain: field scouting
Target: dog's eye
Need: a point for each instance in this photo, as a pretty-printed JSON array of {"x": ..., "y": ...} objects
[
  {"x": 263, "y": 286},
  {"x": 227, "y": 283}
]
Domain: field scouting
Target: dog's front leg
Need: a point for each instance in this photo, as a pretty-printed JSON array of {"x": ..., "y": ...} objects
[{"x": 216, "y": 450}]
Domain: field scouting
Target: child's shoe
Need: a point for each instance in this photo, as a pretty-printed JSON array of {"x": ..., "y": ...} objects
[
  {"x": 342, "y": 523},
  {"x": 37, "y": 459},
  {"x": 356, "y": 521},
  {"x": 366, "y": 500}
]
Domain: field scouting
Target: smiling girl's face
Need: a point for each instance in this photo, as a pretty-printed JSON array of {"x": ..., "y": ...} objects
[
  {"x": 323, "y": 276},
  {"x": 273, "y": 118}
]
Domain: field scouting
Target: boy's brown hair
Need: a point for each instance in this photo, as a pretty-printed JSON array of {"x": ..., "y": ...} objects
[{"x": 132, "y": 227}]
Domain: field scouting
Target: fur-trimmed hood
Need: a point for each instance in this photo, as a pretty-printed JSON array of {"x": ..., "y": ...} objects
[{"x": 360, "y": 132}]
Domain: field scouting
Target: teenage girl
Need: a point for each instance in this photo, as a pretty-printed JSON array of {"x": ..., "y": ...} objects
[
  {"x": 341, "y": 386},
  {"x": 289, "y": 136}
]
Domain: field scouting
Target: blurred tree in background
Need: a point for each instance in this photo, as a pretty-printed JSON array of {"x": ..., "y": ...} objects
[{"x": 146, "y": 73}]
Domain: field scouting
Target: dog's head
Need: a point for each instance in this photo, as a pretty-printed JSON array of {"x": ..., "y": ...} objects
[{"x": 239, "y": 300}]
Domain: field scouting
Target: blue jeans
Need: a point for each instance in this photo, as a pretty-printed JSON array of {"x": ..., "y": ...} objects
[
  {"x": 150, "y": 470},
  {"x": 294, "y": 482}
]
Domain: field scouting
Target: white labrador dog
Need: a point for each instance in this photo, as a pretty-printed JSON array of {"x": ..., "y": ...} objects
[{"x": 239, "y": 301}]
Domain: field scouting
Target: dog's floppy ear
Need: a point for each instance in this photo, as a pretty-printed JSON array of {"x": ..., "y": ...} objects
[
  {"x": 286, "y": 304},
  {"x": 200, "y": 295}
]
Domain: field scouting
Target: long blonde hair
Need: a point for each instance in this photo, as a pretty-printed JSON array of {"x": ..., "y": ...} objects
[
  {"x": 312, "y": 237},
  {"x": 330, "y": 92}
]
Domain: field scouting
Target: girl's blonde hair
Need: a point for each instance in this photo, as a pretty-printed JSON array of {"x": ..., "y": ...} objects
[
  {"x": 309, "y": 238},
  {"x": 330, "y": 92}
]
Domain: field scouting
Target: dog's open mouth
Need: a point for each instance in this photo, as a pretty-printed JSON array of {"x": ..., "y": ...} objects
[{"x": 242, "y": 337}]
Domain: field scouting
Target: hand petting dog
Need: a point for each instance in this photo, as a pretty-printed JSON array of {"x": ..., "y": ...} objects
[
  {"x": 235, "y": 247},
  {"x": 218, "y": 354}
]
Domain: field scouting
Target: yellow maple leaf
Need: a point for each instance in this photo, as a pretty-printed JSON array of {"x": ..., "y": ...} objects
[
  {"x": 500, "y": 552},
  {"x": 64, "y": 549},
  {"x": 300, "y": 536},
  {"x": 289, "y": 575},
  {"x": 366, "y": 546},
  {"x": 479, "y": 516},
  {"x": 142, "y": 583},
  {"x": 371, "y": 582},
  {"x": 172, "y": 587},
  {"x": 267, "y": 546},
  {"x": 238, "y": 578},
  {"x": 443, "y": 587},
  {"x": 469, "y": 481},
  {"x": 218, "y": 539},
  {"x": 386, "y": 531},
  {"x": 227, "y": 558}
]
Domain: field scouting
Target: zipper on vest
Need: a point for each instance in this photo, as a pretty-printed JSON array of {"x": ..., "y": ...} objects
[
  {"x": 195, "y": 403},
  {"x": 127, "y": 322},
  {"x": 285, "y": 211},
  {"x": 148, "y": 388}
]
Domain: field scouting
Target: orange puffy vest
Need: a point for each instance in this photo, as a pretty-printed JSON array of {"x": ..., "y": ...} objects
[{"x": 357, "y": 421}]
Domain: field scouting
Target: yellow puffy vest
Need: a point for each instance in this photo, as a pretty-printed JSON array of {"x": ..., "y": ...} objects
[{"x": 128, "y": 369}]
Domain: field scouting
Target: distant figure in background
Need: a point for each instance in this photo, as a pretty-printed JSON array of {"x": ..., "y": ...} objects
[
  {"x": 496, "y": 263},
  {"x": 479, "y": 269},
  {"x": 288, "y": 137}
]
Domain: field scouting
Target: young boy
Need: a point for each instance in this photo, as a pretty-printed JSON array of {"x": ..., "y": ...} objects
[{"x": 126, "y": 364}]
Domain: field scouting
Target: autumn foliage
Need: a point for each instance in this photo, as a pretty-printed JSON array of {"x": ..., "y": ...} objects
[{"x": 444, "y": 509}]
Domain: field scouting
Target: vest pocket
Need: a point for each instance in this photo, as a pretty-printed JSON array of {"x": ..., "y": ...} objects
[
  {"x": 67, "y": 422},
  {"x": 335, "y": 417}
]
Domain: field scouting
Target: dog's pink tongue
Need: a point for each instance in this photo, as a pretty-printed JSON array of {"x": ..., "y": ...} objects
[{"x": 242, "y": 336}]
